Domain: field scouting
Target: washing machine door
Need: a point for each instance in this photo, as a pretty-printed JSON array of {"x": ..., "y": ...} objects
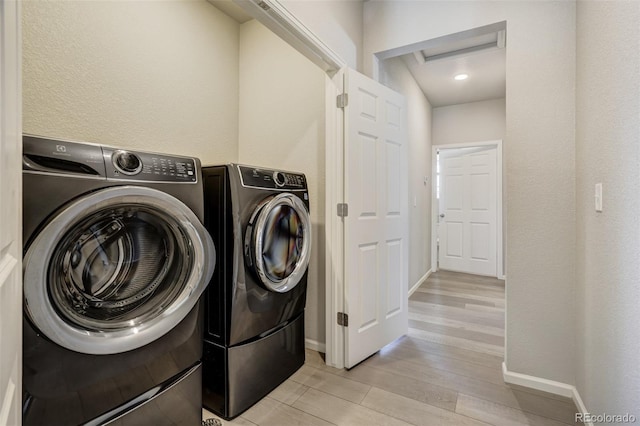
[
  {"x": 116, "y": 269},
  {"x": 280, "y": 241}
]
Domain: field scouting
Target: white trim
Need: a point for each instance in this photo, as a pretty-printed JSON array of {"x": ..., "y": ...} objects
[
  {"x": 577, "y": 399},
  {"x": 273, "y": 15},
  {"x": 334, "y": 225},
  {"x": 7, "y": 266},
  {"x": 7, "y": 403},
  {"x": 434, "y": 210},
  {"x": 538, "y": 383},
  {"x": 545, "y": 385},
  {"x": 11, "y": 211},
  {"x": 314, "y": 345},
  {"x": 500, "y": 267},
  {"x": 419, "y": 283}
]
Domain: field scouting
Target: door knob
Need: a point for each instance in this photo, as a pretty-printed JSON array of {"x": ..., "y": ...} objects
[{"x": 441, "y": 214}]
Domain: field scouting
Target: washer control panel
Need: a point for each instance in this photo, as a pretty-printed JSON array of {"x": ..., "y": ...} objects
[
  {"x": 271, "y": 179},
  {"x": 135, "y": 165}
]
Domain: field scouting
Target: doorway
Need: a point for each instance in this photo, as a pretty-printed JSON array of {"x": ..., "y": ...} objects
[{"x": 467, "y": 208}]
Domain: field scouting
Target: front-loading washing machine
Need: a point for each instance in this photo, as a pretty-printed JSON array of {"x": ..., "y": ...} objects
[
  {"x": 254, "y": 306},
  {"x": 115, "y": 261}
]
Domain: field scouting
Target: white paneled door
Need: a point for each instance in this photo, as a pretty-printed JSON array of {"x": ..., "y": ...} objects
[
  {"x": 467, "y": 230},
  {"x": 376, "y": 227},
  {"x": 10, "y": 215}
]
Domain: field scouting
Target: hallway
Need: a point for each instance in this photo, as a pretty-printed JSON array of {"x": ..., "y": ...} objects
[{"x": 446, "y": 371}]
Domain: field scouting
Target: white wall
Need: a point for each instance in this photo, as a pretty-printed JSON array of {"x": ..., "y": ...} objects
[
  {"x": 608, "y": 249},
  {"x": 160, "y": 76},
  {"x": 338, "y": 23},
  {"x": 396, "y": 75},
  {"x": 539, "y": 154},
  {"x": 282, "y": 125},
  {"x": 470, "y": 122}
]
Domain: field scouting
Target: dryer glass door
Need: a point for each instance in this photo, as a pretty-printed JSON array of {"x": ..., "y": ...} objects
[
  {"x": 116, "y": 270},
  {"x": 281, "y": 242}
]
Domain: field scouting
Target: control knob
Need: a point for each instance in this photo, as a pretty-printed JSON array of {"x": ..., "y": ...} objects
[
  {"x": 127, "y": 163},
  {"x": 279, "y": 178}
]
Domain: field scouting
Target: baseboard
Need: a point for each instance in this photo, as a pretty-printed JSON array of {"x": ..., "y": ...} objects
[
  {"x": 550, "y": 386},
  {"x": 580, "y": 404},
  {"x": 315, "y": 346},
  {"x": 419, "y": 283}
]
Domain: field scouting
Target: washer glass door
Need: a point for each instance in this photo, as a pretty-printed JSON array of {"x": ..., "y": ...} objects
[
  {"x": 281, "y": 243},
  {"x": 116, "y": 270}
]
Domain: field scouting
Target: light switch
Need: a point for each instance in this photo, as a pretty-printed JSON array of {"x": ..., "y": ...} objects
[{"x": 598, "y": 197}]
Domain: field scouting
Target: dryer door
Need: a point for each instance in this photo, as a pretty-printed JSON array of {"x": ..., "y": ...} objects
[
  {"x": 280, "y": 246},
  {"x": 116, "y": 269}
]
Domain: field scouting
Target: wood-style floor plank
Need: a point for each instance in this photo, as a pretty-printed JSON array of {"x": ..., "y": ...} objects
[
  {"x": 288, "y": 392},
  {"x": 457, "y": 313},
  {"x": 451, "y": 352},
  {"x": 341, "y": 387},
  {"x": 456, "y": 341},
  {"x": 491, "y": 374},
  {"x": 410, "y": 387},
  {"x": 341, "y": 412},
  {"x": 269, "y": 412},
  {"x": 464, "y": 325},
  {"x": 414, "y": 412},
  {"x": 446, "y": 330},
  {"x": 499, "y": 415},
  {"x": 497, "y": 301}
]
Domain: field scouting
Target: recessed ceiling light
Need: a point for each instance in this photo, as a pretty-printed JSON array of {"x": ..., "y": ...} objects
[{"x": 461, "y": 77}]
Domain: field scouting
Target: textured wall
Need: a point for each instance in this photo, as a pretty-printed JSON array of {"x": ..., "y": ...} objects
[
  {"x": 471, "y": 122},
  {"x": 539, "y": 155},
  {"x": 282, "y": 125},
  {"x": 337, "y": 23},
  {"x": 608, "y": 151},
  {"x": 160, "y": 76},
  {"x": 396, "y": 75}
]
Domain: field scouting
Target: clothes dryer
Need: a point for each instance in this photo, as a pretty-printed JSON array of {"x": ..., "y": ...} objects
[
  {"x": 254, "y": 305},
  {"x": 115, "y": 261}
]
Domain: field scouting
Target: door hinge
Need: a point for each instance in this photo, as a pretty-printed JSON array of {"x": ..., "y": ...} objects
[
  {"x": 342, "y": 100},
  {"x": 343, "y": 209},
  {"x": 343, "y": 319},
  {"x": 264, "y": 5}
]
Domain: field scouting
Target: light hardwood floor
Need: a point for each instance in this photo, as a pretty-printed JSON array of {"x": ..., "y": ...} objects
[{"x": 446, "y": 371}]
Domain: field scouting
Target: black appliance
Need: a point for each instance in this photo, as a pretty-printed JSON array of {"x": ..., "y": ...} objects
[
  {"x": 254, "y": 305},
  {"x": 115, "y": 262}
]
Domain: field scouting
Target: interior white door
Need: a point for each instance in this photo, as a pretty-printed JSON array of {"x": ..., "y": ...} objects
[
  {"x": 467, "y": 231},
  {"x": 377, "y": 225},
  {"x": 10, "y": 216}
]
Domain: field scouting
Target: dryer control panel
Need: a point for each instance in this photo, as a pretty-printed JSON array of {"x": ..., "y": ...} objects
[
  {"x": 271, "y": 179},
  {"x": 135, "y": 165},
  {"x": 52, "y": 156}
]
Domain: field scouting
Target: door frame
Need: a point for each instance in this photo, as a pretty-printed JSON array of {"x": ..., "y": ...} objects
[
  {"x": 499, "y": 208},
  {"x": 11, "y": 212}
]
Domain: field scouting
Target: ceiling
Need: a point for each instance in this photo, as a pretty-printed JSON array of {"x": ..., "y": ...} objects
[
  {"x": 231, "y": 9},
  {"x": 478, "y": 53}
]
